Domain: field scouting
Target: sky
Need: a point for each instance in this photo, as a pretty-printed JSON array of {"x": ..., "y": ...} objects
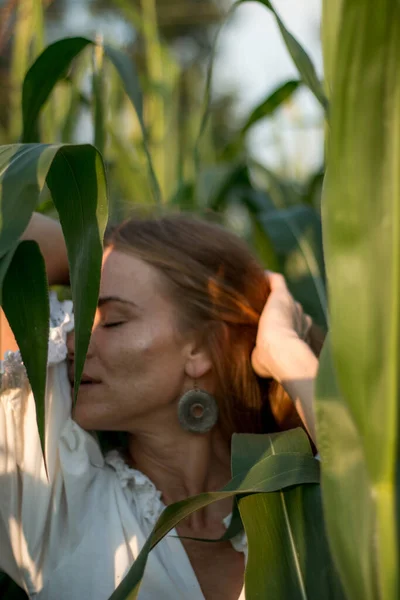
[{"x": 253, "y": 60}]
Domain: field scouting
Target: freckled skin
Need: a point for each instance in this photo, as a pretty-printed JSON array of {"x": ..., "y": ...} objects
[
  {"x": 144, "y": 366},
  {"x": 141, "y": 363}
]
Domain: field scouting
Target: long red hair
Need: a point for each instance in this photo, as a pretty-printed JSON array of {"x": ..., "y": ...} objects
[{"x": 220, "y": 290}]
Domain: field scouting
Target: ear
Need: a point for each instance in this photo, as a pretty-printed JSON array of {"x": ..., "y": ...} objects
[{"x": 198, "y": 362}]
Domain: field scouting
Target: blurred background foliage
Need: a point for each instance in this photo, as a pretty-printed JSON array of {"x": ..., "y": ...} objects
[
  {"x": 217, "y": 174},
  {"x": 204, "y": 155}
]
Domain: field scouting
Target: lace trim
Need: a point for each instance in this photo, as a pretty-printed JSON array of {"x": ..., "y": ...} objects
[
  {"x": 147, "y": 499},
  {"x": 61, "y": 323},
  {"x": 142, "y": 492},
  {"x": 12, "y": 370},
  {"x": 239, "y": 542}
]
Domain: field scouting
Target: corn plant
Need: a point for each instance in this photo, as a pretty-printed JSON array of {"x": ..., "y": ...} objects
[
  {"x": 358, "y": 387},
  {"x": 342, "y": 544}
]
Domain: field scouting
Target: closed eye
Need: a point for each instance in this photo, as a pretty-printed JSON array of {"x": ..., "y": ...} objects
[{"x": 113, "y": 324}]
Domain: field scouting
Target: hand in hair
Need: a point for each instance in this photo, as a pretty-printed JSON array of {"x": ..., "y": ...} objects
[
  {"x": 282, "y": 321},
  {"x": 282, "y": 353}
]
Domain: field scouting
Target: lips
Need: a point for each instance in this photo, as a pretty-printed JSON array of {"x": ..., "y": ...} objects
[{"x": 85, "y": 379}]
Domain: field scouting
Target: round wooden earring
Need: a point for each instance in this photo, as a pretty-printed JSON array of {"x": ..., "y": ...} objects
[{"x": 197, "y": 411}]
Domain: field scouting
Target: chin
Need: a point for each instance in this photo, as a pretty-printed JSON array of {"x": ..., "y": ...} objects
[
  {"x": 84, "y": 419},
  {"x": 87, "y": 412}
]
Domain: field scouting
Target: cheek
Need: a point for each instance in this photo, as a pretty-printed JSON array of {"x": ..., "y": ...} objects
[{"x": 137, "y": 348}]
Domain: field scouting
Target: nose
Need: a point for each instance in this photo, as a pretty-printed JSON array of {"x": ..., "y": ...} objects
[{"x": 71, "y": 342}]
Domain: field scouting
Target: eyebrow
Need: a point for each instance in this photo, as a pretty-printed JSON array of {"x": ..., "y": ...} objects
[{"x": 106, "y": 299}]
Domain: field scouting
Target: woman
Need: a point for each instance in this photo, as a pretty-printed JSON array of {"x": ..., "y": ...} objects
[{"x": 179, "y": 307}]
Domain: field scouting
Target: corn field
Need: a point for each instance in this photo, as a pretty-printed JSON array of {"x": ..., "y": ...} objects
[{"x": 334, "y": 238}]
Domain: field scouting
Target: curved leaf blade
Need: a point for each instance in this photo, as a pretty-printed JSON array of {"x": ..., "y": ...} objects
[
  {"x": 288, "y": 552},
  {"x": 296, "y": 236},
  {"x": 263, "y": 246},
  {"x": 26, "y": 305},
  {"x": 77, "y": 183},
  {"x": 52, "y": 65},
  {"x": 299, "y": 56},
  {"x": 361, "y": 216},
  {"x": 331, "y": 18},
  {"x": 5, "y": 262},
  {"x": 345, "y": 484},
  {"x": 41, "y": 78},
  {"x": 128, "y": 74},
  {"x": 265, "y": 109},
  {"x": 76, "y": 178},
  {"x": 273, "y": 101},
  {"x": 269, "y": 474},
  {"x": 23, "y": 169}
]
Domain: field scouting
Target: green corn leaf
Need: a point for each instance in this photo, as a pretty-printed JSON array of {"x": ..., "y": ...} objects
[
  {"x": 346, "y": 486},
  {"x": 313, "y": 189},
  {"x": 76, "y": 178},
  {"x": 5, "y": 262},
  {"x": 207, "y": 92},
  {"x": 235, "y": 528},
  {"x": 215, "y": 186},
  {"x": 53, "y": 64},
  {"x": 361, "y": 216},
  {"x": 299, "y": 56},
  {"x": 273, "y": 101},
  {"x": 10, "y": 590},
  {"x": 98, "y": 96},
  {"x": 331, "y": 18},
  {"x": 282, "y": 192},
  {"x": 263, "y": 246},
  {"x": 127, "y": 72},
  {"x": 184, "y": 196},
  {"x": 268, "y": 474},
  {"x": 26, "y": 305},
  {"x": 78, "y": 187},
  {"x": 288, "y": 552},
  {"x": 295, "y": 235},
  {"x": 24, "y": 29},
  {"x": 265, "y": 109},
  {"x": 23, "y": 171}
]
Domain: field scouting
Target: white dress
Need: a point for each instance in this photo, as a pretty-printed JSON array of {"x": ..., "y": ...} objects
[{"x": 75, "y": 534}]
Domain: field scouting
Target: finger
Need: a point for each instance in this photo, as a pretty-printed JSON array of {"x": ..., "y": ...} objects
[
  {"x": 307, "y": 326},
  {"x": 301, "y": 320},
  {"x": 299, "y": 316},
  {"x": 259, "y": 368},
  {"x": 277, "y": 281}
]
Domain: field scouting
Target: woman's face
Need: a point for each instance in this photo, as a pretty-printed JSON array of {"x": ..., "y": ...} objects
[{"x": 138, "y": 363}]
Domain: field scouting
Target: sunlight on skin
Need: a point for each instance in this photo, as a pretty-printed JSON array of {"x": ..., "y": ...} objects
[{"x": 7, "y": 340}]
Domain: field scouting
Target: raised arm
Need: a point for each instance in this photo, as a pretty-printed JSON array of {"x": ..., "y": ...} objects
[
  {"x": 282, "y": 353},
  {"x": 48, "y": 234}
]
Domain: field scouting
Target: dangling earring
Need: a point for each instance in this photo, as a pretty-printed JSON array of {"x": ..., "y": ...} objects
[{"x": 197, "y": 411}]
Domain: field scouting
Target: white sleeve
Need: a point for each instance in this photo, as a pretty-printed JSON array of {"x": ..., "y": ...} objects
[{"x": 27, "y": 493}]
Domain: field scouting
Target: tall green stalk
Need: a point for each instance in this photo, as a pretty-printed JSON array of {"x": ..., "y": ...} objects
[
  {"x": 98, "y": 95},
  {"x": 154, "y": 103},
  {"x": 358, "y": 392},
  {"x": 19, "y": 62}
]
